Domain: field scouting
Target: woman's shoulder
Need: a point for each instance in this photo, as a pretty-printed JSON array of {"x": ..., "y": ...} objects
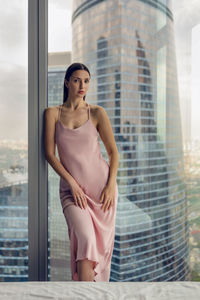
[
  {"x": 96, "y": 109},
  {"x": 98, "y": 113},
  {"x": 55, "y": 107},
  {"x": 51, "y": 111}
]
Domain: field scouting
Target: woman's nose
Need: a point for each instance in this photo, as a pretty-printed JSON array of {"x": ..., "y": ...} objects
[{"x": 81, "y": 84}]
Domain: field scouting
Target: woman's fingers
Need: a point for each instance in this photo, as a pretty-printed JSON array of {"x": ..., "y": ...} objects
[
  {"x": 75, "y": 200},
  {"x": 81, "y": 201},
  {"x": 84, "y": 201},
  {"x": 107, "y": 204},
  {"x": 78, "y": 196},
  {"x": 107, "y": 198}
]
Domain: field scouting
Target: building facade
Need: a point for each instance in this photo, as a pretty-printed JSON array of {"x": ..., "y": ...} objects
[{"x": 130, "y": 53}]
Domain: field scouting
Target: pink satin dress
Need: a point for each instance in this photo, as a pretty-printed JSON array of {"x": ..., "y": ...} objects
[{"x": 91, "y": 231}]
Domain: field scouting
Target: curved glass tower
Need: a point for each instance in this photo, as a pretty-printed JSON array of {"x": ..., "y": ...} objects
[{"x": 129, "y": 48}]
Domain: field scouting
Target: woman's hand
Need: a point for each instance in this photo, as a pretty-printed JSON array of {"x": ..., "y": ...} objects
[
  {"x": 78, "y": 195},
  {"x": 108, "y": 197}
]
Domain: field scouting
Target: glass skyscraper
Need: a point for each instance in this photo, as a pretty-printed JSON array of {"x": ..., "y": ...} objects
[{"x": 130, "y": 51}]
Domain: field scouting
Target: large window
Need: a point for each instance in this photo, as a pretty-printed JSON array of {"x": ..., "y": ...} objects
[
  {"x": 14, "y": 141},
  {"x": 145, "y": 67}
]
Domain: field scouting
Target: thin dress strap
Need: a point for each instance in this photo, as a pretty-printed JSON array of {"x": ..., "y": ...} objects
[{"x": 88, "y": 111}]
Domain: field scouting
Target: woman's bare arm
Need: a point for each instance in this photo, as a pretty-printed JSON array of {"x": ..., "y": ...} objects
[
  {"x": 49, "y": 144},
  {"x": 106, "y": 134}
]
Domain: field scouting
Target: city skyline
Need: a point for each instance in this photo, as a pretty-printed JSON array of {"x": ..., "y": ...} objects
[{"x": 146, "y": 125}]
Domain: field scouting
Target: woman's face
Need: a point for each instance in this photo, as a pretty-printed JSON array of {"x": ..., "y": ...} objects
[{"x": 79, "y": 80}]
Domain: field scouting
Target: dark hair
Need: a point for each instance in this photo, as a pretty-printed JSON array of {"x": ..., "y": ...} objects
[{"x": 72, "y": 68}]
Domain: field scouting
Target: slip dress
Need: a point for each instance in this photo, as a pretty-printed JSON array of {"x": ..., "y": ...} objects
[{"x": 91, "y": 231}]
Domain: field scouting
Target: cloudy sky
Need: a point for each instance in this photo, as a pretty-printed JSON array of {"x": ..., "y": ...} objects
[
  {"x": 14, "y": 59},
  {"x": 186, "y": 24},
  {"x": 59, "y": 27}
]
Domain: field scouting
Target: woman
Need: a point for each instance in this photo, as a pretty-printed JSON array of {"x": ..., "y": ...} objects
[{"x": 88, "y": 187}]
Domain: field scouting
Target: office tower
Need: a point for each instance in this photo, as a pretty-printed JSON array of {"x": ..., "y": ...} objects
[
  {"x": 129, "y": 49},
  {"x": 14, "y": 220}
]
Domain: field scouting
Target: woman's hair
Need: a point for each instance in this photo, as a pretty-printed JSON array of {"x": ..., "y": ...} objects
[{"x": 72, "y": 68}]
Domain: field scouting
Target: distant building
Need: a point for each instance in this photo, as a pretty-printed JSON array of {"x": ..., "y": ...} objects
[
  {"x": 58, "y": 63},
  {"x": 130, "y": 53},
  {"x": 14, "y": 225}
]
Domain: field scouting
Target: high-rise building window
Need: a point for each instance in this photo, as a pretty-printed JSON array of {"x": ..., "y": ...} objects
[{"x": 14, "y": 142}]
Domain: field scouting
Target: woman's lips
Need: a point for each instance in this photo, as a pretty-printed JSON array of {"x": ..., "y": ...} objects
[{"x": 81, "y": 92}]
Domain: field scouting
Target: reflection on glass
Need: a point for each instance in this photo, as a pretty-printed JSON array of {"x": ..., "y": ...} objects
[
  {"x": 130, "y": 52},
  {"x": 161, "y": 94}
]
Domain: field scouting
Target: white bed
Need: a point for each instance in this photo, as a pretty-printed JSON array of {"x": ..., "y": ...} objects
[{"x": 59, "y": 290}]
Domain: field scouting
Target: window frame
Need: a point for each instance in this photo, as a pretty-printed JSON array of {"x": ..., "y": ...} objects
[{"x": 37, "y": 165}]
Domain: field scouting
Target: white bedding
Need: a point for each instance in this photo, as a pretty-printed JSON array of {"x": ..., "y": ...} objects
[{"x": 59, "y": 290}]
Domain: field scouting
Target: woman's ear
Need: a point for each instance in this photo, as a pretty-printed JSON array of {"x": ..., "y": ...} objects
[{"x": 66, "y": 83}]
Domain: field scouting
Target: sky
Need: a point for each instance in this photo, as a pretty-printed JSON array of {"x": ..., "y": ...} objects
[
  {"x": 195, "y": 80},
  {"x": 14, "y": 59},
  {"x": 14, "y": 56},
  {"x": 186, "y": 15},
  {"x": 59, "y": 25},
  {"x": 13, "y": 66}
]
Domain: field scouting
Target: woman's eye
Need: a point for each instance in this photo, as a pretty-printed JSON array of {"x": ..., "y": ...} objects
[{"x": 86, "y": 81}]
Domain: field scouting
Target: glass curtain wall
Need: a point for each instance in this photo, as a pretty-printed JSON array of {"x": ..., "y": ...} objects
[{"x": 130, "y": 53}]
